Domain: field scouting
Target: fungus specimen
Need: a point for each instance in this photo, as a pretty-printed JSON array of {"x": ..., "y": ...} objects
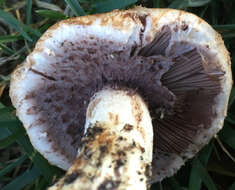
[{"x": 129, "y": 95}]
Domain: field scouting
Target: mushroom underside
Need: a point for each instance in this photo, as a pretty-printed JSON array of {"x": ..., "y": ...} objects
[{"x": 179, "y": 81}]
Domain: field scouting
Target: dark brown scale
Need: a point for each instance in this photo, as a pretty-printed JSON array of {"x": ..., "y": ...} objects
[
  {"x": 118, "y": 163},
  {"x": 147, "y": 171},
  {"x": 142, "y": 149},
  {"x": 143, "y": 21},
  {"x": 128, "y": 127},
  {"x": 87, "y": 152},
  {"x": 109, "y": 185},
  {"x": 121, "y": 153},
  {"x": 70, "y": 178},
  {"x": 184, "y": 26},
  {"x": 103, "y": 149},
  {"x": 33, "y": 110}
]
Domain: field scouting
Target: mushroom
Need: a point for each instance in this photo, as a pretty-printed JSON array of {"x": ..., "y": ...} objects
[{"x": 129, "y": 95}]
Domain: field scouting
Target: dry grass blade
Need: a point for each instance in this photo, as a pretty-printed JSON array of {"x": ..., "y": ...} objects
[
  {"x": 2, "y": 87},
  {"x": 224, "y": 149},
  {"x": 50, "y": 6}
]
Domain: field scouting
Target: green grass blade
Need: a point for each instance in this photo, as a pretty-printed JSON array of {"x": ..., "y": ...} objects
[
  {"x": 230, "y": 118},
  {"x": 14, "y": 23},
  {"x": 19, "y": 26},
  {"x": 1, "y": 2},
  {"x": 228, "y": 35},
  {"x": 46, "y": 169},
  {"x": 21, "y": 181},
  {"x": 9, "y": 123},
  {"x": 7, "y": 119},
  {"x": 6, "y": 49},
  {"x": 49, "y": 6},
  {"x": 45, "y": 27},
  {"x": 214, "y": 6},
  {"x": 11, "y": 166},
  {"x": 28, "y": 11},
  {"x": 205, "y": 153},
  {"x": 202, "y": 172},
  {"x": 11, "y": 139},
  {"x": 181, "y": 4},
  {"x": 228, "y": 136},
  {"x": 195, "y": 180},
  {"x": 75, "y": 7},
  {"x": 174, "y": 184},
  {"x": 31, "y": 30},
  {"x": 178, "y": 4},
  {"x": 224, "y": 27},
  {"x": 108, "y": 5},
  {"x": 10, "y": 38},
  {"x": 1, "y": 105},
  {"x": 4, "y": 133},
  {"x": 215, "y": 167},
  {"x": 42, "y": 184},
  {"x": 204, "y": 10},
  {"x": 55, "y": 15},
  {"x": 232, "y": 187},
  {"x": 156, "y": 3},
  {"x": 232, "y": 97}
]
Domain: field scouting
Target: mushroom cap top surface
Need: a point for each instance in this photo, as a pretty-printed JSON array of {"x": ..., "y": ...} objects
[{"x": 174, "y": 59}]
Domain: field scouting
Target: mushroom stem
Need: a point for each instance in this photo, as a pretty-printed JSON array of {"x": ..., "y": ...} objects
[{"x": 117, "y": 147}]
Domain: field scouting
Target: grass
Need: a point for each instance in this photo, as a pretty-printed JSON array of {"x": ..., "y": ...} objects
[{"x": 22, "y": 23}]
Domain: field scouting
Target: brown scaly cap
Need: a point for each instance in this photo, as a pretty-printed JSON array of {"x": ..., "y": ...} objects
[{"x": 173, "y": 59}]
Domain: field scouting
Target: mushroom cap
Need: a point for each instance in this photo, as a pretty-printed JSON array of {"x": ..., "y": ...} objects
[{"x": 51, "y": 105}]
